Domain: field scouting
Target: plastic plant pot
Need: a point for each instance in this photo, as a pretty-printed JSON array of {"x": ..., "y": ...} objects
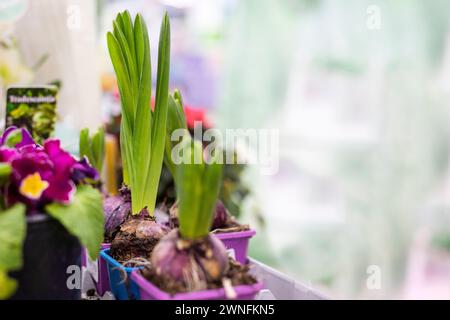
[
  {"x": 237, "y": 243},
  {"x": 48, "y": 252},
  {"x": 122, "y": 287},
  {"x": 149, "y": 291},
  {"x": 98, "y": 270}
]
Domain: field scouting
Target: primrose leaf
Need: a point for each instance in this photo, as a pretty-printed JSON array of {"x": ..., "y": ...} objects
[
  {"x": 7, "y": 285},
  {"x": 12, "y": 235},
  {"x": 83, "y": 217}
]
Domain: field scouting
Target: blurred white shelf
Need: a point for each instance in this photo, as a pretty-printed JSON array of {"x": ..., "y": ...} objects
[{"x": 282, "y": 287}]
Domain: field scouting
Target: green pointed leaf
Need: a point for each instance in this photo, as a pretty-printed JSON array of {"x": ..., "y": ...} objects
[
  {"x": 125, "y": 149},
  {"x": 123, "y": 80},
  {"x": 126, "y": 97},
  {"x": 93, "y": 148},
  {"x": 128, "y": 32},
  {"x": 84, "y": 144},
  {"x": 175, "y": 120},
  {"x": 158, "y": 129},
  {"x": 119, "y": 20},
  {"x": 197, "y": 188},
  {"x": 83, "y": 217},
  {"x": 211, "y": 180},
  {"x": 181, "y": 117},
  {"x": 128, "y": 54},
  {"x": 142, "y": 139},
  {"x": 98, "y": 149},
  {"x": 189, "y": 192},
  {"x": 142, "y": 134}
]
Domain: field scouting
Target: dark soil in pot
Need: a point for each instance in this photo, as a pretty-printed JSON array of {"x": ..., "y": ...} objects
[
  {"x": 130, "y": 242},
  {"x": 236, "y": 275},
  {"x": 48, "y": 251}
]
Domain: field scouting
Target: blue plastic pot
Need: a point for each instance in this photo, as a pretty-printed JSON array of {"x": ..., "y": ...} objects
[{"x": 123, "y": 289}]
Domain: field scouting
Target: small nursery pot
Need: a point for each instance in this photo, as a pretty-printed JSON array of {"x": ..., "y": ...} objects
[
  {"x": 48, "y": 251},
  {"x": 149, "y": 291},
  {"x": 121, "y": 286},
  {"x": 98, "y": 270},
  {"x": 237, "y": 243}
]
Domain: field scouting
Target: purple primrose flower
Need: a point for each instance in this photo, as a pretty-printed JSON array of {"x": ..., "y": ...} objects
[{"x": 40, "y": 174}]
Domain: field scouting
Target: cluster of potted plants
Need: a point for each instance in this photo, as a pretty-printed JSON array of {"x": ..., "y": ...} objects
[
  {"x": 190, "y": 262},
  {"x": 49, "y": 211},
  {"x": 137, "y": 231},
  {"x": 53, "y": 205}
]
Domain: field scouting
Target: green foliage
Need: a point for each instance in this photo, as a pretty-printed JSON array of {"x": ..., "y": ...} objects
[
  {"x": 198, "y": 184},
  {"x": 7, "y": 285},
  {"x": 176, "y": 119},
  {"x": 83, "y": 217},
  {"x": 43, "y": 121},
  {"x": 142, "y": 133},
  {"x": 12, "y": 235},
  {"x": 234, "y": 189},
  {"x": 93, "y": 147},
  {"x": 5, "y": 172}
]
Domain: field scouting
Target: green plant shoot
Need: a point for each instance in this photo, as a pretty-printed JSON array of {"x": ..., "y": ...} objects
[
  {"x": 176, "y": 119},
  {"x": 142, "y": 132},
  {"x": 93, "y": 148},
  {"x": 197, "y": 188}
]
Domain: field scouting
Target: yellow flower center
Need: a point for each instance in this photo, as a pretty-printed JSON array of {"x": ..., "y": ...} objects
[{"x": 33, "y": 186}]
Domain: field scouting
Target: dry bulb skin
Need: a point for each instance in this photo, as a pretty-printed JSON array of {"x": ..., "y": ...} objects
[
  {"x": 136, "y": 238},
  {"x": 144, "y": 228},
  {"x": 221, "y": 216},
  {"x": 191, "y": 262}
]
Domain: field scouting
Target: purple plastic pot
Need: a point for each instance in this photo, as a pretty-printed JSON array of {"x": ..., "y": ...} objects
[
  {"x": 148, "y": 291},
  {"x": 98, "y": 270},
  {"x": 237, "y": 243}
]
